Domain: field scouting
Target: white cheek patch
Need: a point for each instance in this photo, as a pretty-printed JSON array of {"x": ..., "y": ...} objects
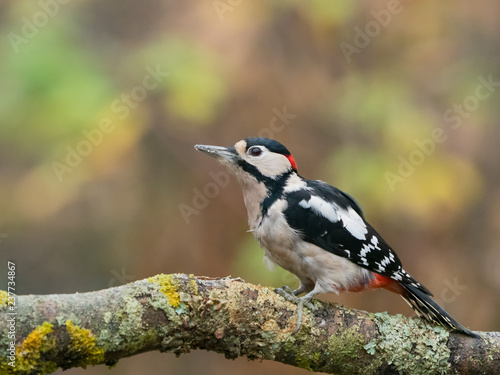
[
  {"x": 353, "y": 223},
  {"x": 270, "y": 164},
  {"x": 321, "y": 207}
]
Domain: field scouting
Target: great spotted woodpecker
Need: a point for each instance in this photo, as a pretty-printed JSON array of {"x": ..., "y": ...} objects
[{"x": 317, "y": 231}]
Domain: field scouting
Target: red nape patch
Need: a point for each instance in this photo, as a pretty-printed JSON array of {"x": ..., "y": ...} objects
[{"x": 292, "y": 162}]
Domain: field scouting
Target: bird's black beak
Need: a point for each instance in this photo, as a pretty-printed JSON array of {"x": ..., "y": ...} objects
[{"x": 227, "y": 153}]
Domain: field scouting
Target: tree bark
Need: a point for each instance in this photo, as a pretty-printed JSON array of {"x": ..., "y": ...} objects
[{"x": 178, "y": 313}]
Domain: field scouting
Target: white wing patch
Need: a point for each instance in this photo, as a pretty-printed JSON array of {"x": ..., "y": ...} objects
[
  {"x": 321, "y": 207},
  {"x": 350, "y": 218},
  {"x": 353, "y": 223}
]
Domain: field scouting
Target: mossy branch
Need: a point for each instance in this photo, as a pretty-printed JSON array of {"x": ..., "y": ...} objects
[{"x": 178, "y": 313}]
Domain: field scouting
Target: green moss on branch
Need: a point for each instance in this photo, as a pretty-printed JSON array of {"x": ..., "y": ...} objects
[{"x": 178, "y": 313}]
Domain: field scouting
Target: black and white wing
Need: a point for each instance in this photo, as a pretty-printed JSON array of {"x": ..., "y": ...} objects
[{"x": 332, "y": 220}]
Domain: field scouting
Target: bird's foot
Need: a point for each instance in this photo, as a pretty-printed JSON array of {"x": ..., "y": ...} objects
[
  {"x": 291, "y": 295},
  {"x": 286, "y": 292}
]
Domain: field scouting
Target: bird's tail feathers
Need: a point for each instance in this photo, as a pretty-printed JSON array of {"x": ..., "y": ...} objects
[{"x": 427, "y": 308}]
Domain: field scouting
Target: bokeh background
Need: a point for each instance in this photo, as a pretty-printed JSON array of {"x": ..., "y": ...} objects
[{"x": 395, "y": 102}]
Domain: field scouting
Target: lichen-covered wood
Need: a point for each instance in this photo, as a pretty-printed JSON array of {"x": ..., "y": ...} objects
[{"x": 178, "y": 313}]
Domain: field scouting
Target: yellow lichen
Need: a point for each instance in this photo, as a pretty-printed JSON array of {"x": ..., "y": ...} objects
[
  {"x": 167, "y": 287},
  {"x": 82, "y": 346},
  {"x": 3, "y": 297},
  {"x": 29, "y": 353},
  {"x": 193, "y": 286}
]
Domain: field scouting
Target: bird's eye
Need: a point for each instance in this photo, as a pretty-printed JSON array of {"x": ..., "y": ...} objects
[{"x": 255, "y": 151}]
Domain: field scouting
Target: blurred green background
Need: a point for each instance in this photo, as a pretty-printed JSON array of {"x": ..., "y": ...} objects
[{"x": 101, "y": 103}]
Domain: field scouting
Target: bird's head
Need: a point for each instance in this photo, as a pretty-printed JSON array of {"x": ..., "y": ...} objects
[{"x": 260, "y": 158}]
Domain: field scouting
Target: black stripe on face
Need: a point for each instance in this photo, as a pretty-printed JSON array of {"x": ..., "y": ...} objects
[{"x": 254, "y": 171}]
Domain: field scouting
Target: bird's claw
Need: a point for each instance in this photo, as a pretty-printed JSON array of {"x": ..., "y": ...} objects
[
  {"x": 287, "y": 293},
  {"x": 290, "y": 295},
  {"x": 303, "y": 301},
  {"x": 289, "y": 290}
]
